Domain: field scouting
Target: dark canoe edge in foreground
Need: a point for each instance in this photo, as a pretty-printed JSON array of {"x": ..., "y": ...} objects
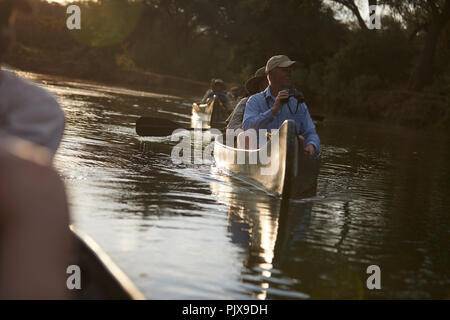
[
  {"x": 290, "y": 172},
  {"x": 101, "y": 278}
]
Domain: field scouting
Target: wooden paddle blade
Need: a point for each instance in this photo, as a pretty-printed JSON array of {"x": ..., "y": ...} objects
[
  {"x": 147, "y": 131},
  {"x": 158, "y": 127},
  {"x": 162, "y": 122}
]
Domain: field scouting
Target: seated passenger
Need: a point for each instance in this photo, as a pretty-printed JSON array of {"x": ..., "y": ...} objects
[
  {"x": 235, "y": 93},
  {"x": 270, "y": 108},
  {"x": 217, "y": 88},
  {"x": 253, "y": 85},
  {"x": 34, "y": 216}
]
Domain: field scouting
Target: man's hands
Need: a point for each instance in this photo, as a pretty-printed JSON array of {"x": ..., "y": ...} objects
[
  {"x": 281, "y": 98},
  {"x": 309, "y": 149}
]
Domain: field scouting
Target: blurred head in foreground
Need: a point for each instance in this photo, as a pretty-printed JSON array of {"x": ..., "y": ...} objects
[{"x": 34, "y": 218}]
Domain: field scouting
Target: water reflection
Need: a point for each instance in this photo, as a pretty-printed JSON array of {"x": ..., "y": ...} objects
[
  {"x": 184, "y": 231},
  {"x": 262, "y": 226}
]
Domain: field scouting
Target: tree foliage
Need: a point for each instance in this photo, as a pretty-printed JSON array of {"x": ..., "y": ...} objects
[{"x": 339, "y": 65}]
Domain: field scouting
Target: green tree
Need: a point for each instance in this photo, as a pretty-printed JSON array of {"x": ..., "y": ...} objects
[{"x": 430, "y": 17}]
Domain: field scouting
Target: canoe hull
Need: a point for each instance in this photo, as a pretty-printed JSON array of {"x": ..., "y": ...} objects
[
  {"x": 281, "y": 169},
  {"x": 101, "y": 278},
  {"x": 214, "y": 112}
]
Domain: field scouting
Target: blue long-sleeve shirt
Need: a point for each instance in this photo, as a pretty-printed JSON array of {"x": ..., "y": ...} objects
[
  {"x": 258, "y": 115},
  {"x": 221, "y": 94}
]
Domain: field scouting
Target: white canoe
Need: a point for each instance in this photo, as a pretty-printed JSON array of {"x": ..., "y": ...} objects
[
  {"x": 214, "y": 112},
  {"x": 289, "y": 173}
]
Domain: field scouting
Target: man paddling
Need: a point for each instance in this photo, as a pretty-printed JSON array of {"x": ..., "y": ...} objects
[
  {"x": 270, "y": 108},
  {"x": 218, "y": 88},
  {"x": 26, "y": 110}
]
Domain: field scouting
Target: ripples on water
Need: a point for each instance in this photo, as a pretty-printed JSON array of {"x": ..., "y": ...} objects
[{"x": 191, "y": 232}]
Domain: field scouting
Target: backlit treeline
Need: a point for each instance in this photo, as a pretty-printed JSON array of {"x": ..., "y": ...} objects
[{"x": 345, "y": 68}]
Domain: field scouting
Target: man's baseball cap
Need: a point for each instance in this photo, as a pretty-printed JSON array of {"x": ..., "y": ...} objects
[{"x": 279, "y": 61}]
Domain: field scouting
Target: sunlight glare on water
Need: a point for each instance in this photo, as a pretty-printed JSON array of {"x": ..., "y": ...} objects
[{"x": 189, "y": 231}]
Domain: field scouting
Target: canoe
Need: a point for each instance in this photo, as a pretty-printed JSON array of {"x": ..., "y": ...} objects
[
  {"x": 290, "y": 173},
  {"x": 214, "y": 113},
  {"x": 101, "y": 278}
]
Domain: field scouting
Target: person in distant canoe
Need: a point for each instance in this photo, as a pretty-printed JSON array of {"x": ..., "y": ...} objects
[
  {"x": 218, "y": 88},
  {"x": 26, "y": 110},
  {"x": 235, "y": 93},
  {"x": 270, "y": 108},
  {"x": 255, "y": 84}
]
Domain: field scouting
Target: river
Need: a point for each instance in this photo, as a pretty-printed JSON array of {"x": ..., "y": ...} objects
[{"x": 183, "y": 231}]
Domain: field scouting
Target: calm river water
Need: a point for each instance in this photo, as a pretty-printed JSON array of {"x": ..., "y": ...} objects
[{"x": 191, "y": 232}]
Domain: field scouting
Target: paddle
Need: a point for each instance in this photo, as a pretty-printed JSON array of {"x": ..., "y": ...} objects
[{"x": 159, "y": 127}]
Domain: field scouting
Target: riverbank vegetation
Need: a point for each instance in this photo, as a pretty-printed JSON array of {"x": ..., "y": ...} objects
[{"x": 399, "y": 73}]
